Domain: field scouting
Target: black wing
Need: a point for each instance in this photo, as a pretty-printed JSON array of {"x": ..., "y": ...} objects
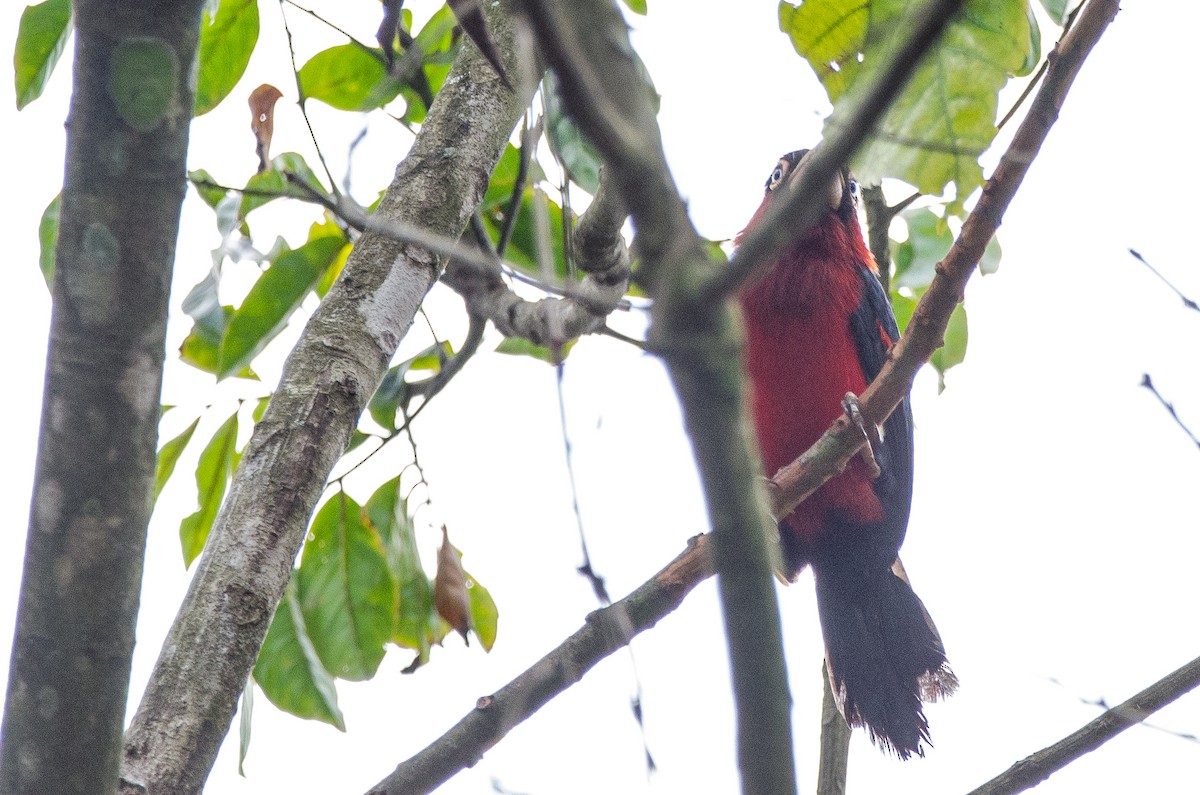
[{"x": 869, "y": 324}]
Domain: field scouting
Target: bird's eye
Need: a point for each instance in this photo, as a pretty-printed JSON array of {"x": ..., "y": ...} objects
[
  {"x": 776, "y": 178},
  {"x": 854, "y": 190}
]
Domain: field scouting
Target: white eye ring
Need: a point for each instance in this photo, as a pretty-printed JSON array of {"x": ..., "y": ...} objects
[{"x": 776, "y": 178}]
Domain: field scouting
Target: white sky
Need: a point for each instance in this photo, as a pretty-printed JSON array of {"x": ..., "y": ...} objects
[{"x": 1054, "y": 528}]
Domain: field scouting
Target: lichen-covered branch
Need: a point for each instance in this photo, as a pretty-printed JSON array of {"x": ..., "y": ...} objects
[
  {"x": 1034, "y": 769},
  {"x": 794, "y": 482},
  {"x": 605, "y": 632},
  {"x": 600, "y": 252},
  {"x": 328, "y": 379},
  {"x": 126, "y": 155}
]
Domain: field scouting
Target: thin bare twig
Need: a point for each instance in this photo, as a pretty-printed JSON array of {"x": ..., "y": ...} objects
[
  {"x": 1170, "y": 407},
  {"x": 1033, "y": 82},
  {"x": 1038, "y": 767},
  {"x": 1188, "y": 303},
  {"x": 302, "y": 100}
]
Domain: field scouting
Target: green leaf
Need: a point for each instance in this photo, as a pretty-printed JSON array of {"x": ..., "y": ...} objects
[
  {"x": 945, "y": 118},
  {"x": 636, "y": 6},
  {"x": 504, "y": 179},
  {"x": 522, "y": 250},
  {"x": 393, "y": 393},
  {"x": 519, "y": 346},
  {"x": 333, "y": 271},
  {"x": 346, "y": 591},
  {"x": 245, "y": 715},
  {"x": 484, "y": 614},
  {"x": 349, "y": 77},
  {"x": 226, "y": 43},
  {"x": 567, "y": 141},
  {"x": 436, "y": 47},
  {"x": 168, "y": 456},
  {"x": 217, "y": 462},
  {"x": 274, "y": 297},
  {"x": 289, "y": 671},
  {"x": 954, "y": 350},
  {"x": 202, "y": 181},
  {"x": 903, "y": 307},
  {"x": 990, "y": 261},
  {"x": 275, "y": 185},
  {"x": 41, "y": 38},
  {"x": 48, "y": 239},
  {"x": 416, "y": 624},
  {"x": 1057, "y": 9},
  {"x": 929, "y": 239}
]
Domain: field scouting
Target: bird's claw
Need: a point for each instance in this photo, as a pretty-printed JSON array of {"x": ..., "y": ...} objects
[{"x": 868, "y": 430}]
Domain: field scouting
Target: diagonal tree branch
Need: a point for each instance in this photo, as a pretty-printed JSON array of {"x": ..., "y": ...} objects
[
  {"x": 328, "y": 379},
  {"x": 605, "y": 631},
  {"x": 1038, "y": 767},
  {"x": 794, "y": 482}
]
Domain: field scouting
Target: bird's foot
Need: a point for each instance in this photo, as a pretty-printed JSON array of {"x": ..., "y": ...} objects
[{"x": 869, "y": 431}]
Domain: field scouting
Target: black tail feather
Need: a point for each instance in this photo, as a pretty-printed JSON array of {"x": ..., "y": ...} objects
[{"x": 885, "y": 657}]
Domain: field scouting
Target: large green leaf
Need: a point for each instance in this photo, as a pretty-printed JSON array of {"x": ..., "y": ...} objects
[
  {"x": 416, "y": 624},
  {"x": 226, "y": 43},
  {"x": 41, "y": 37},
  {"x": 48, "y": 239},
  {"x": 217, "y": 462},
  {"x": 275, "y": 296},
  {"x": 945, "y": 118},
  {"x": 349, "y": 77},
  {"x": 289, "y": 671},
  {"x": 346, "y": 591},
  {"x": 168, "y": 456}
]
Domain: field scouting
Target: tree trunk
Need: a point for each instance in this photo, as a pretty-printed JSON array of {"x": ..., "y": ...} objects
[{"x": 127, "y": 142}]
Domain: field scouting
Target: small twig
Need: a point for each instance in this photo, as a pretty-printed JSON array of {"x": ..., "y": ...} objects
[
  {"x": 586, "y": 569},
  {"x": 605, "y": 631},
  {"x": 301, "y": 100},
  {"x": 1170, "y": 407},
  {"x": 530, "y": 134},
  {"x": 1103, "y": 704},
  {"x": 1033, "y": 82},
  {"x": 609, "y": 331},
  {"x": 1038, "y": 767},
  {"x": 1187, "y": 302}
]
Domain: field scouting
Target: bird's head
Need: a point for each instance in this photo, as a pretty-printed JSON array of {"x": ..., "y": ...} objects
[{"x": 841, "y": 192}]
